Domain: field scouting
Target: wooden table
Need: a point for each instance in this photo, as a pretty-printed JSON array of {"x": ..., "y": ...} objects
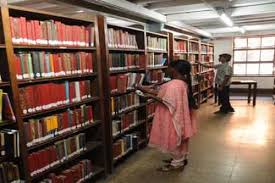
[{"x": 244, "y": 82}]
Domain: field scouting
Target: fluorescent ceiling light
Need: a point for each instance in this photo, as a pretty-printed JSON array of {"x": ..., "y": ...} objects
[
  {"x": 242, "y": 30},
  {"x": 226, "y": 20},
  {"x": 79, "y": 11}
]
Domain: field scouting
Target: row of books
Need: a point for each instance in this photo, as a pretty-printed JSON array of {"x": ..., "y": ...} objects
[
  {"x": 211, "y": 49},
  {"x": 155, "y": 60},
  {"x": 123, "y": 82},
  {"x": 75, "y": 174},
  {"x": 127, "y": 143},
  {"x": 51, "y": 156},
  {"x": 205, "y": 58},
  {"x": 50, "y": 32},
  {"x": 204, "y": 69},
  {"x": 41, "y": 64},
  {"x": 180, "y": 46},
  {"x": 46, "y": 128},
  {"x": 9, "y": 143},
  {"x": 180, "y": 56},
  {"x": 195, "y": 89},
  {"x": 194, "y": 47},
  {"x": 122, "y": 103},
  {"x": 125, "y": 121},
  {"x": 121, "y": 39},
  {"x": 204, "y": 48},
  {"x": 46, "y": 96},
  {"x": 156, "y": 43},
  {"x": 193, "y": 58},
  {"x": 6, "y": 111},
  {"x": 155, "y": 76},
  {"x": 9, "y": 172},
  {"x": 121, "y": 61},
  {"x": 195, "y": 69}
]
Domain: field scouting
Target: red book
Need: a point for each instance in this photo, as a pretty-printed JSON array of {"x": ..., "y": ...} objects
[
  {"x": 90, "y": 113},
  {"x": 23, "y": 33},
  {"x": 113, "y": 83},
  {"x": 122, "y": 81},
  {"x": 33, "y": 35},
  {"x": 38, "y": 31},
  {"x": 30, "y": 160},
  {"x": 89, "y": 62}
]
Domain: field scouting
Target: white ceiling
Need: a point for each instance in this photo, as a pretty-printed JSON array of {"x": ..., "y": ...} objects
[{"x": 202, "y": 15}]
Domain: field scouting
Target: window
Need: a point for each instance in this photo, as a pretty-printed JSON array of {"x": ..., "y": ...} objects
[{"x": 254, "y": 56}]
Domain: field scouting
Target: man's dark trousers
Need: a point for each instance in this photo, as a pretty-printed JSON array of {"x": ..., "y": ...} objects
[{"x": 224, "y": 99}]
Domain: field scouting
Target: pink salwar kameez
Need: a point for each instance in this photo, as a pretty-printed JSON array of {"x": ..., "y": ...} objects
[{"x": 174, "y": 122}]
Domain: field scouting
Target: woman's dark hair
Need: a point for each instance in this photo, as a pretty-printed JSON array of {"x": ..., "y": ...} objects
[{"x": 184, "y": 68}]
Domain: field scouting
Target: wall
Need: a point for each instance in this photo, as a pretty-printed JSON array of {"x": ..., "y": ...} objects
[{"x": 225, "y": 45}]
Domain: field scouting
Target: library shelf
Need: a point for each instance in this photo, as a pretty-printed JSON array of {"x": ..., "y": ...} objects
[
  {"x": 210, "y": 96},
  {"x": 157, "y": 67},
  {"x": 6, "y": 123},
  {"x": 59, "y": 78},
  {"x": 195, "y": 94},
  {"x": 194, "y": 53},
  {"x": 127, "y": 70},
  {"x": 63, "y": 136},
  {"x": 156, "y": 51},
  {"x": 55, "y": 109},
  {"x": 96, "y": 171},
  {"x": 2, "y": 46},
  {"x": 125, "y": 28},
  {"x": 204, "y": 72},
  {"x": 130, "y": 110},
  {"x": 4, "y": 84},
  {"x": 115, "y": 94},
  {"x": 203, "y": 100},
  {"x": 156, "y": 34},
  {"x": 89, "y": 147},
  {"x": 181, "y": 52},
  {"x": 123, "y": 156},
  {"x": 42, "y": 47},
  {"x": 129, "y": 129},
  {"x": 126, "y": 50}
]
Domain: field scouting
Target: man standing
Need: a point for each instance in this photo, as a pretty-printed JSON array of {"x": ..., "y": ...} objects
[{"x": 223, "y": 80}]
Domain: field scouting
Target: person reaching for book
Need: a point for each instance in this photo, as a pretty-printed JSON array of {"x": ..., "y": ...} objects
[
  {"x": 174, "y": 121},
  {"x": 223, "y": 80}
]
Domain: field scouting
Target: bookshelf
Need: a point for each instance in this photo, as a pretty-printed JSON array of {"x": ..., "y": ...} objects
[
  {"x": 195, "y": 50},
  {"x": 78, "y": 88},
  {"x": 64, "y": 66}
]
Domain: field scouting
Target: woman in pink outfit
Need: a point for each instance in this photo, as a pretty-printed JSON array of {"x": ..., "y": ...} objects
[{"x": 174, "y": 121}]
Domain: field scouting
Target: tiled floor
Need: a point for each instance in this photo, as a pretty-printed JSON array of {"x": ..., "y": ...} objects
[{"x": 236, "y": 148}]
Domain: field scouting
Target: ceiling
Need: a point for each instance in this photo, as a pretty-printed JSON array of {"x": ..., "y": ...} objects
[{"x": 199, "y": 15}]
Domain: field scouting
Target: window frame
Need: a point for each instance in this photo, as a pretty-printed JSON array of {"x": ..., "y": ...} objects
[{"x": 253, "y": 62}]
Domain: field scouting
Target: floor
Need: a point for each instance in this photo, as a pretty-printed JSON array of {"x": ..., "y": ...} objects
[{"x": 236, "y": 148}]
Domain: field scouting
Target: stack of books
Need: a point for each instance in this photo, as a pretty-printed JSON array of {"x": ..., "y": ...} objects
[
  {"x": 121, "y": 39},
  {"x": 124, "y": 102},
  {"x": 124, "y": 122},
  {"x": 155, "y": 60},
  {"x": 156, "y": 43},
  {"x": 9, "y": 143},
  {"x": 9, "y": 172},
  {"x": 123, "y": 61}
]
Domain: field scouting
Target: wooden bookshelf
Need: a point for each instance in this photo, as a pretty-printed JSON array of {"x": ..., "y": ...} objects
[
  {"x": 149, "y": 48},
  {"x": 13, "y": 85}
]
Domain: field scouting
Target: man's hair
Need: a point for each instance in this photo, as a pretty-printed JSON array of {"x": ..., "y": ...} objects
[{"x": 226, "y": 56}]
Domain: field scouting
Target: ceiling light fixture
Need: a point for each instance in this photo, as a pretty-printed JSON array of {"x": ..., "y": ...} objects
[
  {"x": 226, "y": 20},
  {"x": 79, "y": 11},
  {"x": 242, "y": 30}
]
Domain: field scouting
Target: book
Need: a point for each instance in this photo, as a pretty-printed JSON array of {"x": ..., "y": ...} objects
[
  {"x": 123, "y": 82},
  {"x": 45, "y": 96},
  {"x": 42, "y": 129},
  {"x": 77, "y": 173},
  {"x": 49, "y": 32},
  {"x": 204, "y": 49},
  {"x": 9, "y": 172},
  {"x": 127, "y": 143},
  {"x": 156, "y": 43},
  {"x": 124, "y": 102},
  {"x": 10, "y": 147},
  {"x": 124, "y": 122},
  {"x": 118, "y": 38},
  {"x": 7, "y": 108},
  {"x": 122, "y": 61},
  {"x": 41, "y": 64},
  {"x": 180, "y": 46},
  {"x": 155, "y": 60},
  {"x": 155, "y": 76},
  {"x": 193, "y": 47},
  {"x": 51, "y": 156}
]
